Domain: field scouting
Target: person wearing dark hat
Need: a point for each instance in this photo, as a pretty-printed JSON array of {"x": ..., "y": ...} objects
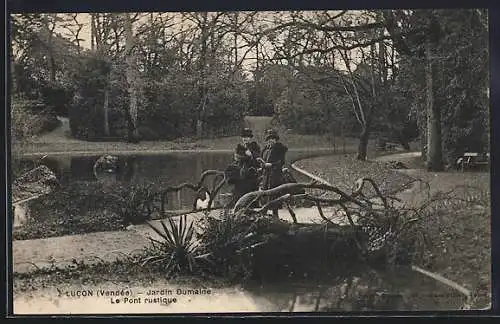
[
  {"x": 252, "y": 148},
  {"x": 250, "y": 161},
  {"x": 273, "y": 158},
  {"x": 242, "y": 173}
]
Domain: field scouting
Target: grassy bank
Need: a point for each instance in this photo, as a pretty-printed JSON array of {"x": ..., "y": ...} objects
[
  {"x": 459, "y": 230},
  {"x": 344, "y": 169},
  {"x": 71, "y": 146},
  {"x": 58, "y": 141}
]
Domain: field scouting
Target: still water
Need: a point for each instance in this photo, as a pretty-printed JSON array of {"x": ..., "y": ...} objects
[
  {"x": 165, "y": 169},
  {"x": 360, "y": 291},
  {"x": 363, "y": 290}
]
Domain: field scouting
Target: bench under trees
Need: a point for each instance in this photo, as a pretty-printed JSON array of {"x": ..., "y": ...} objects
[{"x": 470, "y": 160}]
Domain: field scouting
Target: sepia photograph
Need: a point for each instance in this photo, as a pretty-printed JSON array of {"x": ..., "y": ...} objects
[{"x": 327, "y": 161}]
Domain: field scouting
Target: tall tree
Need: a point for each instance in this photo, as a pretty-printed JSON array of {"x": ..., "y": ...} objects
[
  {"x": 132, "y": 78},
  {"x": 434, "y": 149},
  {"x": 50, "y": 24},
  {"x": 345, "y": 33}
]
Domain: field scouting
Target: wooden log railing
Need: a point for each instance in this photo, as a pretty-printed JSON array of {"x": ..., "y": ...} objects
[{"x": 158, "y": 200}]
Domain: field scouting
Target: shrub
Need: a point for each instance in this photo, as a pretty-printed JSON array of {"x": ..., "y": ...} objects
[
  {"x": 57, "y": 98},
  {"x": 86, "y": 113},
  {"x": 31, "y": 117},
  {"x": 228, "y": 241},
  {"x": 62, "y": 223},
  {"x": 83, "y": 207},
  {"x": 178, "y": 250},
  {"x": 133, "y": 202}
]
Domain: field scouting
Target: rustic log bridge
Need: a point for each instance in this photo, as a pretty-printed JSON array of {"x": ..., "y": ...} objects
[
  {"x": 283, "y": 192},
  {"x": 378, "y": 221},
  {"x": 217, "y": 182},
  {"x": 374, "y": 212}
]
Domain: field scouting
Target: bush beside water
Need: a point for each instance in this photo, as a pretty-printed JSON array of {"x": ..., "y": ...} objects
[{"x": 84, "y": 207}]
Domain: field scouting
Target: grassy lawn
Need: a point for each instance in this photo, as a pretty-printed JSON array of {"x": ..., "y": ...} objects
[
  {"x": 293, "y": 141},
  {"x": 460, "y": 233},
  {"x": 58, "y": 141}
]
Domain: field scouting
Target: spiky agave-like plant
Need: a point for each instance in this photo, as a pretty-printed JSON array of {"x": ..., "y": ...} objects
[{"x": 179, "y": 250}]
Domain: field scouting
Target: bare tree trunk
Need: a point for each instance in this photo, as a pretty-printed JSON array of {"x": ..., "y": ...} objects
[
  {"x": 102, "y": 51},
  {"x": 366, "y": 125},
  {"x": 131, "y": 79},
  {"x": 423, "y": 143},
  {"x": 106, "y": 111},
  {"x": 77, "y": 33},
  {"x": 52, "y": 67},
  {"x": 434, "y": 151},
  {"x": 202, "y": 69},
  {"x": 363, "y": 143},
  {"x": 256, "y": 110},
  {"x": 92, "y": 32},
  {"x": 236, "y": 14},
  {"x": 50, "y": 32}
]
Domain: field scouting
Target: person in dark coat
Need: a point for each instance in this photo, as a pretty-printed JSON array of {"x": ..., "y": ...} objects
[
  {"x": 251, "y": 146},
  {"x": 248, "y": 153},
  {"x": 242, "y": 174},
  {"x": 273, "y": 158}
]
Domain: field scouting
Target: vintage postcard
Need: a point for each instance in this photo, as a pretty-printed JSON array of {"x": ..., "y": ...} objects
[{"x": 250, "y": 161}]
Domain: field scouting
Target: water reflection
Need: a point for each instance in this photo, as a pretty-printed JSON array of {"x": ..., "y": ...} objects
[
  {"x": 165, "y": 169},
  {"x": 367, "y": 290}
]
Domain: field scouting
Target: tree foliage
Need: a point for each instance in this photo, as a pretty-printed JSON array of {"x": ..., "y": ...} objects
[
  {"x": 460, "y": 78},
  {"x": 316, "y": 72}
]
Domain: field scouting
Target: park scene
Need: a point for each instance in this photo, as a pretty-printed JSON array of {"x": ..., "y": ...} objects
[{"x": 250, "y": 161}]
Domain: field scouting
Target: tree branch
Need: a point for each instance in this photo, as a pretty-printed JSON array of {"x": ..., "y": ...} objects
[
  {"x": 244, "y": 202},
  {"x": 336, "y": 47},
  {"x": 396, "y": 35},
  {"x": 325, "y": 28}
]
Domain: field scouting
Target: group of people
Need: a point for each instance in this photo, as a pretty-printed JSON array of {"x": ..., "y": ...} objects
[{"x": 254, "y": 168}]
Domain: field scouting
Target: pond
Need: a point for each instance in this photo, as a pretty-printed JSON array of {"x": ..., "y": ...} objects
[
  {"x": 362, "y": 290},
  {"x": 399, "y": 289},
  {"x": 165, "y": 169}
]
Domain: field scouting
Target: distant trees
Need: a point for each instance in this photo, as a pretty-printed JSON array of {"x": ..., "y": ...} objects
[
  {"x": 398, "y": 73},
  {"x": 426, "y": 64},
  {"x": 445, "y": 65}
]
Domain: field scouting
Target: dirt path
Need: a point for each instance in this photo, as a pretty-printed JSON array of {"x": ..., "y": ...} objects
[
  {"x": 28, "y": 255},
  {"x": 432, "y": 182},
  {"x": 59, "y": 135}
]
